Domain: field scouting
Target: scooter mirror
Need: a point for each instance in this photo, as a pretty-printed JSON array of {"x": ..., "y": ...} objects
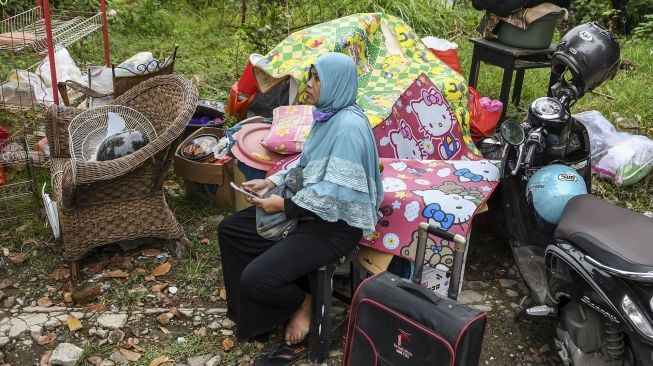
[{"x": 512, "y": 132}]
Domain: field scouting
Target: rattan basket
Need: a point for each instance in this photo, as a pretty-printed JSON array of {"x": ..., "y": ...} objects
[{"x": 88, "y": 129}]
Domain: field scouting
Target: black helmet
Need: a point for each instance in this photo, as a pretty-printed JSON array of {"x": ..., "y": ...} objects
[
  {"x": 121, "y": 144},
  {"x": 591, "y": 53}
]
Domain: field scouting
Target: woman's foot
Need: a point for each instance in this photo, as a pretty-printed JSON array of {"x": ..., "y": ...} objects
[{"x": 299, "y": 323}]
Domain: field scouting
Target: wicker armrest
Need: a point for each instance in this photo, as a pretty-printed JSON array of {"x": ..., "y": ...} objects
[
  {"x": 62, "y": 182},
  {"x": 57, "y": 120}
]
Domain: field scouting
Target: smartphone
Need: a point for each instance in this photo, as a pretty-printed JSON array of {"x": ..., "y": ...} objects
[{"x": 244, "y": 191}]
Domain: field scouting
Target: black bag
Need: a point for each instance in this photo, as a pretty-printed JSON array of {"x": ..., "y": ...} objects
[
  {"x": 393, "y": 321},
  {"x": 276, "y": 226}
]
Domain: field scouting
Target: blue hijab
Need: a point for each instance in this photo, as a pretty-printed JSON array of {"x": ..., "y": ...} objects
[{"x": 341, "y": 173}]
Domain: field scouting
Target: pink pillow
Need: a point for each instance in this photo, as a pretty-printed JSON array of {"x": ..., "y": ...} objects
[{"x": 290, "y": 127}]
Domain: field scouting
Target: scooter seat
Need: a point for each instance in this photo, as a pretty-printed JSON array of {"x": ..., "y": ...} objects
[{"x": 612, "y": 235}]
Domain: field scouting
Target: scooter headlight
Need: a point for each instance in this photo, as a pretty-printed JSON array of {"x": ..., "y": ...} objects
[{"x": 636, "y": 317}]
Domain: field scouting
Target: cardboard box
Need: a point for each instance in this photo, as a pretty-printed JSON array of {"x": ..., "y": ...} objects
[
  {"x": 206, "y": 180},
  {"x": 374, "y": 261},
  {"x": 239, "y": 177}
]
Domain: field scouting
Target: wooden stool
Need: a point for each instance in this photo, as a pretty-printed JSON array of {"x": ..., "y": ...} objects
[{"x": 510, "y": 59}]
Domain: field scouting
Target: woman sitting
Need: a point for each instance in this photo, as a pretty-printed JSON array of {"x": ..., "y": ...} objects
[{"x": 266, "y": 281}]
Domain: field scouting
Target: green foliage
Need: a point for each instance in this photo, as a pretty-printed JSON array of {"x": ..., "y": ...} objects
[
  {"x": 144, "y": 18},
  {"x": 645, "y": 27},
  {"x": 620, "y": 16}
]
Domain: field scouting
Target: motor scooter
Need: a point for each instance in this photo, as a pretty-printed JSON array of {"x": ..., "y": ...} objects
[{"x": 594, "y": 267}]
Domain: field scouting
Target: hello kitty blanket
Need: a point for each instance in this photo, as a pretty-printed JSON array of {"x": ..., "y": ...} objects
[{"x": 429, "y": 175}]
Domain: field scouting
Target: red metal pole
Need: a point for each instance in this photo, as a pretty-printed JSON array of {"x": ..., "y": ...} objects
[
  {"x": 48, "y": 34},
  {"x": 105, "y": 33}
]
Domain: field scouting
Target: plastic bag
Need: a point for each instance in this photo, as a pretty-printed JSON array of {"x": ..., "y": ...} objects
[
  {"x": 23, "y": 88},
  {"x": 444, "y": 50},
  {"x": 619, "y": 156},
  {"x": 66, "y": 68},
  {"x": 140, "y": 63},
  {"x": 484, "y": 114}
]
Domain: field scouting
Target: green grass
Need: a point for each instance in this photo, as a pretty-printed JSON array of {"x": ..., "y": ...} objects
[{"x": 122, "y": 294}]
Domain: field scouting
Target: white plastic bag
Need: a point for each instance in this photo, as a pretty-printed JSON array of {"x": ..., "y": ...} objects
[
  {"x": 66, "y": 68},
  {"x": 620, "y": 156},
  {"x": 23, "y": 88}
]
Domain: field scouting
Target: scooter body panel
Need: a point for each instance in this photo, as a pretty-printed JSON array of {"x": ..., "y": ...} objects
[{"x": 572, "y": 279}]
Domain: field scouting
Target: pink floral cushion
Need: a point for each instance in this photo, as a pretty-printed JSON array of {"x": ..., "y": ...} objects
[{"x": 290, "y": 127}]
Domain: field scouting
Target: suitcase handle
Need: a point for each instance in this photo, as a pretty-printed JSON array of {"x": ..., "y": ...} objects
[{"x": 420, "y": 291}]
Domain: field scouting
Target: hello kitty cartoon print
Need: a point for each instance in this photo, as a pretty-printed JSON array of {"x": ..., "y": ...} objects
[
  {"x": 403, "y": 142},
  {"x": 476, "y": 171},
  {"x": 437, "y": 120},
  {"x": 446, "y": 209},
  {"x": 430, "y": 191},
  {"x": 422, "y": 125}
]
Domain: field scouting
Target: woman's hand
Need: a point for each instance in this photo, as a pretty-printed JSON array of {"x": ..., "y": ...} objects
[
  {"x": 271, "y": 204},
  {"x": 259, "y": 186}
]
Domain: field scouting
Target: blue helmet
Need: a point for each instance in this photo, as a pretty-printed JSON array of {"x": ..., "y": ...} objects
[{"x": 550, "y": 188}]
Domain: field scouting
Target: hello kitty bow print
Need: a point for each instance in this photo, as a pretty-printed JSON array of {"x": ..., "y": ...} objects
[
  {"x": 444, "y": 193},
  {"x": 422, "y": 125}
]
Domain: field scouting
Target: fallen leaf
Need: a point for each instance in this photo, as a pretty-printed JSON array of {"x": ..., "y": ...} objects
[
  {"x": 164, "y": 330},
  {"x": 96, "y": 307},
  {"x": 149, "y": 278},
  {"x": 68, "y": 297},
  {"x": 228, "y": 344},
  {"x": 45, "y": 359},
  {"x": 130, "y": 355},
  {"x": 45, "y": 339},
  {"x": 161, "y": 270},
  {"x": 175, "y": 311},
  {"x": 44, "y": 302},
  {"x": 163, "y": 319},
  {"x": 52, "y": 288},
  {"x": 60, "y": 274},
  {"x": 170, "y": 184},
  {"x": 131, "y": 341},
  {"x": 118, "y": 260},
  {"x": 151, "y": 252},
  {"x": 17, "y": 258},
  {"x": 116, "y": 273},
  {"x": 73, "y": 323},
  {"x": 205, "y": 241},
  {"x": 98, "y": 266},
  {"x": 86, "y": 294},
  {"x": 159, "y": 360},
  {"x": 223, "y": 294},
  {"x": 159, "y": 286},
  {"x": 140, "y": 271},
  {"x": 94, "y": 360},
  {"x": 139, "y": 348}
]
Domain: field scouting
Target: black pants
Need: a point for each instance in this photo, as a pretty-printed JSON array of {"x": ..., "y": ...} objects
[{"x": 261, "y": 276}]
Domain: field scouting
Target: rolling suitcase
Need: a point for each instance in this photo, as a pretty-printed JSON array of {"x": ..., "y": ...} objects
[{"x": 394, "y": 321}]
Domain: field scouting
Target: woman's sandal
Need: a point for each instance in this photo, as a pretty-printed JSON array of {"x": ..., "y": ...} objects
[{"x": 284, "y": 355}]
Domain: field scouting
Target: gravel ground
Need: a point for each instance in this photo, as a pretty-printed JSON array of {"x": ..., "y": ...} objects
[{"x": 30, "y": 333}]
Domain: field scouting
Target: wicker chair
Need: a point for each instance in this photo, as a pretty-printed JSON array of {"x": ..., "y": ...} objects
[
  {"x": 122, "y": 80},
  {"x": 104, "y": 202}
]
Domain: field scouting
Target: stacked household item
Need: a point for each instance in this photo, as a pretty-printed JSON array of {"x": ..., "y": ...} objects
[
  {"x": 260, "y": 142},
  {"x": 202, "y": 158},
  {"x": 520, "y": 23}
]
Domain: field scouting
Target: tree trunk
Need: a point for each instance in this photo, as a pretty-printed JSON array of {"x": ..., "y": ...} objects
[{"x": 243, "y": 12}]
